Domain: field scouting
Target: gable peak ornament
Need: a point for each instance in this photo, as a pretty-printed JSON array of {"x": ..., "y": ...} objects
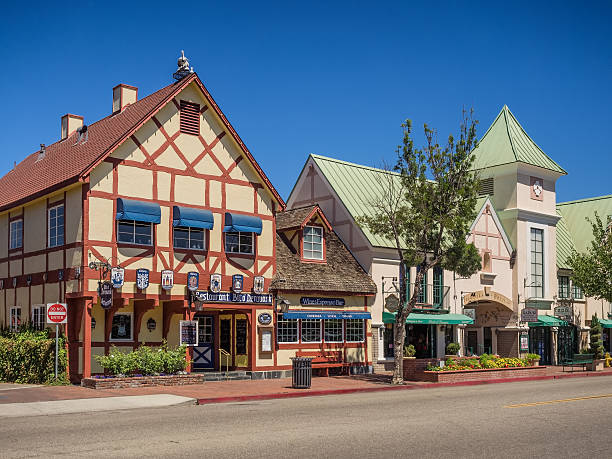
[{"x": 183, "y": 67}]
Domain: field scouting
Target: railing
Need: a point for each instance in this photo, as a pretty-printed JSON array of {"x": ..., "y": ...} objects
[
  {"x": 432, "y": 296},
  {"x": 227, "y": 359}
]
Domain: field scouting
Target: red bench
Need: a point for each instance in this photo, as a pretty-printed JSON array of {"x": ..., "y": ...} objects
[{"x": 324, "y": 359}]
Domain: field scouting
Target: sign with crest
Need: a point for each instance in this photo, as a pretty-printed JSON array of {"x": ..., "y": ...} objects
[
  {"x": 117, "y": 277},
  {"x": 258, "y": 284},
  {"x": 237, "y": 283},
  {"x": 167, "y": 279},
  {"x": 142, "y": 278},
  {"x": 215, "y": 283},
  {"x": 106, "y": 295},
  {"x": 193, "y": 281}
]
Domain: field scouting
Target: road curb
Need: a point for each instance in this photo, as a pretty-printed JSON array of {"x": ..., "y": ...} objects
[{"x": 318, "y": 393}]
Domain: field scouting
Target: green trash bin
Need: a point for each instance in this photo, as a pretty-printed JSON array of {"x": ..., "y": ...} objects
[{"x": 302, "y": 372}]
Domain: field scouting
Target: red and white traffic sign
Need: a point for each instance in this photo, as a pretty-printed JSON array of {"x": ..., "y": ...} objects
[{"x": 57, "y": 313}]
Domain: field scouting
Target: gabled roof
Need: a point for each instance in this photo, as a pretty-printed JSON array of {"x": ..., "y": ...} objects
[
  {"x": 299, "y": 217},
  {"x": 506, "y": 142},
  {"x": 481, "y": 204},
  {"x": 65, "y": 163},
  {"x": 573, "y": 230}
]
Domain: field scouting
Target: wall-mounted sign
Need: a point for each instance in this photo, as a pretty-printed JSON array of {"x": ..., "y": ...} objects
[
  {"x": 14, "y": 282},
  {"x": 563, "y": 311},
  {"x": 167, "y": 279},
  {"x": 315, "y": 301},
  {"x": 188, "y": 332},
  {"x": 193, "y": 281},
  {"x": 215, "y": 283},
  {"x": 106, "y": 294},
  {"x": 265, "y": 340},
  {"x": 117, "y": 277},
  {"x": 258, "y": 284},
  {"x": 60, "y": 274},
  {"x": 524, "y": 346},
  {"x": 142, "y": 278},
  {"x": 471, "y": 313},
  {"x": 487, "y": 296},
  {"x": 1, "y": 284},
  {"x": 237, "y": 283},
  {"x": 529, "y": 315},
  {"x": 264, "y": 318},
  {"x": 29, "y": 280},
  {"x": 230, "y": 297}
]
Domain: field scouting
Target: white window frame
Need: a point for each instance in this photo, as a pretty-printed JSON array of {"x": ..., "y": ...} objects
[
  {"x": 189, "y": 229},
  {"x": 131, "y": 316},
  {"x": 57, "y": 233},
  {"x": 18, "y": 234},
  {"x": 545, "y": 277},
  {"x": 346, "y": 331},
  {"x": 278, "y": 336},
  {"x": 134, "y": 223},
  {"x": 320, "y": 331},
  {"x": 42, "y": 314},
  {"x": 13, "y": 312},
  {"x": 325, "y": 322},
  {"x": 319, "y": 230},
  {"x": 240, "y": 234}
]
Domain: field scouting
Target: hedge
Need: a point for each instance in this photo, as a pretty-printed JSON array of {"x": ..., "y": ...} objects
[{"x": 145, "y": 360}]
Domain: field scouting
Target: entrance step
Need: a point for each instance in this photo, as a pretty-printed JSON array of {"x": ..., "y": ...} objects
[{"x": 226, "y": 376}]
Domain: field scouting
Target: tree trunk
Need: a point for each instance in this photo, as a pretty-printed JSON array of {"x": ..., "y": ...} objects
[{"x": 399, "y": 333}]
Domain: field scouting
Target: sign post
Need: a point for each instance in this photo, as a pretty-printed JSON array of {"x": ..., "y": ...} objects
[{"x": 57, "y": 313}]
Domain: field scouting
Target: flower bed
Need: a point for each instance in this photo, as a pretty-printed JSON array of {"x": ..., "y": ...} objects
[
  {"x": 117, "y": 382},
  {"x": 454, "y": 376}
]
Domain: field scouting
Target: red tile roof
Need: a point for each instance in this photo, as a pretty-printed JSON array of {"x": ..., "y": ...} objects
[{"x": 65, "y": 163}]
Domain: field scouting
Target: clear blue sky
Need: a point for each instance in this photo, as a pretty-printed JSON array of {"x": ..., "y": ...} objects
[{"x": 330, "y": 78}]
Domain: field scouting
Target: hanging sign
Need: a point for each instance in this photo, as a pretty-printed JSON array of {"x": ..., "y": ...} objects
[
  {"x": 524, "y": 346},
  {"x": 215, "y": 283},
  {"x": 193, "y": 281},
  {"x": 142, "y": 278},
  {"x": 188, "y": 332},
  {"x": 237, "y": 282},
  {"x": 106, "y": 294},
  {"x": 167, "y": 279},
  {"x": 264, "y": 318},
  {"x": 529, "y": 315},
  {"x": 57, "y": 313},
  {"x": 117, "y": 277},
  {"x": 315, "y": 301},
  {"x": 258, "y": 284}
]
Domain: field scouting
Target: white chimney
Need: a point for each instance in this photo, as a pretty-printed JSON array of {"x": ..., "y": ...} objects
[
  {"x": 124, "y": 95},
  {"x": 70, "y": 123}
]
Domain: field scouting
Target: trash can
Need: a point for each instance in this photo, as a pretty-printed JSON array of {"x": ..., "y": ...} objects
[{"x": 302, "y": 372}]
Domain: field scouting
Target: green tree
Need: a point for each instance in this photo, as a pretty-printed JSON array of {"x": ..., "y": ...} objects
[
  {"x": 592, "y": 271},
  {"x": 595, "y": 334},
  {"x": 427, "y": 210}
]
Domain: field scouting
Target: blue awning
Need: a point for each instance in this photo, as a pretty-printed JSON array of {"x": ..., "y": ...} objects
[
  {"x": 140, "y": 211},
  {"x": 242, "y": 223},
  {"x": 193, "y": 218},
  {"x": 326, "y": 315}
]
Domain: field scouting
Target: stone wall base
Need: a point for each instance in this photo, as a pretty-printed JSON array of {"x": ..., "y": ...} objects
[{"x": 142, "y": 381}]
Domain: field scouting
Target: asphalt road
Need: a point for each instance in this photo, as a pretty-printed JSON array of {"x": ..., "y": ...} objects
[{"x": 565, "y": 418}]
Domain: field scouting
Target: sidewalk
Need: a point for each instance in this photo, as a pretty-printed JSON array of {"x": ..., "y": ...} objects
[{"x": 227, "y": 391}]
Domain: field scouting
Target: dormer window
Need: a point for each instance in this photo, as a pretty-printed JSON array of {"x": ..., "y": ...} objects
[{"x": 312, "y": 248}]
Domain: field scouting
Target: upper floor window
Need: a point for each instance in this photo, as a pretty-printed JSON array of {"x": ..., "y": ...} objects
[
  {"x": 577, "y": 292},
  {"x": 564, "y": 286},
  {"x": 422, "y": 297},
  {"x": 16, "y": 237},
  {"x": 188, "y": 238},
  {"x": 56, "y": 226},
  {"x": 438, "y": 285},
  {"x": 190, "y": 118},
  {"x": 537, "y": 263},
  {"x": 133, "y": 232},
  {"x": 239, "y": 242},
  {"x": 313, "y": 243}
]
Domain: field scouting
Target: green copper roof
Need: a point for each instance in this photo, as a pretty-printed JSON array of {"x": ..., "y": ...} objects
[
  {"x": 506, "y": 142},
  {"x": 565, "y": 242},
  {"x": 575, "y": 225}
]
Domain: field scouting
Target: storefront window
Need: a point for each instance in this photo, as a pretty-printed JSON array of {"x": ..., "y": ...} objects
[
  {"x": 241, "y": 336},
  {"x": 188, "y": 238},
  {"x": 564, "y": 286},
  {"x": 132, "y": 232},
  {"x": 537, "y": 263},
  {"x": 333, "y": 330},
  {"x": 388, "y": 340},
  {"x": 15, "y": 318},
  {"x": 355, "y": 330},
  {"x": 287, "y": 330},
  {"x": 311, "y": 330},
  {"x": 122, "y": 327},
  {"x": 39, "y": 314},
  {"x": 239, "y": 243}
]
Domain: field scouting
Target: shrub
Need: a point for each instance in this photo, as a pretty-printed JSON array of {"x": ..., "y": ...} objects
[
  {"x": 453, "y": 348},
  {"x": 145, "y": 360},
  {"x": 597, "y": 348},
  {"x": 409, "y": 351},
  {"x": 532, "y": 357}
]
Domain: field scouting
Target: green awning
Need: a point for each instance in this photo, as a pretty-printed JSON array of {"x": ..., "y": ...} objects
[
  {"x": 430, "y": 319},
  {"x": 606, "y": 323},
  {"x": 548, "y": 321}
]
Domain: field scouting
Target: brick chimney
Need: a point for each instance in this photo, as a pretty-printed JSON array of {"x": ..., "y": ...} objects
[
  {"x": 70, "y": 123},
  {"x": 124, "y": 95}
]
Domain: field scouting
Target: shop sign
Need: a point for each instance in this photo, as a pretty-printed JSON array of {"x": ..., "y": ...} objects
[
  {"x": 264, "y": 318},
  {"x": 188, "y": 332},
  {"x": 316, "y": 301},
  {"x": 117, "y": 277},
  {"x": 142, "y": 278},
  {"x": 471, "y": 313},
  {"x": 237, "y": 282},
  {"x": 215, "y": 283},
  {"x": 231, "y": 297},
  {"x": 529, "y": 315},
  {"x": 193, "y": 281},
  {"x": 524, "y": 346},
  {"x": 563, "y": 311},
  {"x": 258, "y": 284},
  {"x": 485, "y": 296},
  {"x": 167, "y": 279},
  {"x": 106, "y": 294}
]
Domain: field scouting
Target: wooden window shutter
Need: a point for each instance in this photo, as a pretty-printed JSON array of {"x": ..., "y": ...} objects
[{"x": 190, "y": 118}]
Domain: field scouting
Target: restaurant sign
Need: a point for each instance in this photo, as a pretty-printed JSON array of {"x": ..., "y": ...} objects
[
  {"x": 316, "y": 301},
  {"x": 529, "y": 315},
  {"x": 231, "y": 297}
]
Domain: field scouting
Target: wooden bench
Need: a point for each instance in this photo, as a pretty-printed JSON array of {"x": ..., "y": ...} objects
[
  {"x": 578, "y": 360},
  {"x": 324, "y": 359}
]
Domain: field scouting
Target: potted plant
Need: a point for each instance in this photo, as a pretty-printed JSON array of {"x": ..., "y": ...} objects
[
  {"x": 409, "y": 351},
  {"x": 452, "y": 350},
  {"x": 533, "y": 359},
  {"x": 596, "y": 345}
]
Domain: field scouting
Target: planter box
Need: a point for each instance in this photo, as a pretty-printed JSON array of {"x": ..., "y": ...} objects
[
  {"x": 142, "y": 381},
  {"x": 597, "y": 365},
  {"x": 480, "y": 374}
]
